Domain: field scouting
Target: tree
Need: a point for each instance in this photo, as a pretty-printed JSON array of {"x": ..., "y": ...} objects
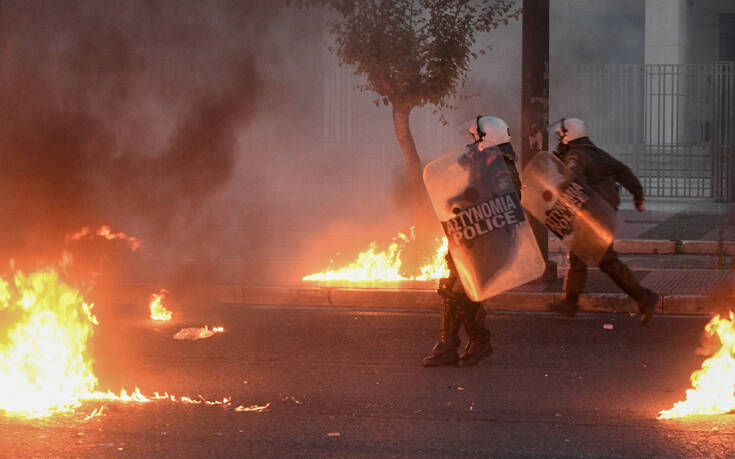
[{"x": 412, "y": 53}]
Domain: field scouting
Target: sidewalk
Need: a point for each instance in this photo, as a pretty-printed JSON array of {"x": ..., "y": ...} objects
[
  {"x": 683, "y": 251},
  {"x": 671, "y": 227}
]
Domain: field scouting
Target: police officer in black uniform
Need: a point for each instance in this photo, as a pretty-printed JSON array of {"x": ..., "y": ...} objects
[
  {"x": 458, "y": 309},
  {"x": 602, "y": 172}
]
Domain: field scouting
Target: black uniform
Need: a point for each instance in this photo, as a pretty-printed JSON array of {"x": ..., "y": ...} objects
[
  {"x": 602, "y": 172},
  {"x": 458, "y": 309}
]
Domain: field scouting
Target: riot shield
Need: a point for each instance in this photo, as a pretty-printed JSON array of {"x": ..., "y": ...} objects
[
  {"x": 490, "y": 239},
  {"x": 568, "y": 206}
]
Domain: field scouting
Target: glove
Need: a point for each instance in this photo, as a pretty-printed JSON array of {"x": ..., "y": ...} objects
[{"x": 639, "y": 206}]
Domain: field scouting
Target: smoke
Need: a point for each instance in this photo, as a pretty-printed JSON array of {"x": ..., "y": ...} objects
[
  {"x": 205, "y": 128},
  {"x": 132, "y": 114},
  {"x": 604, "y": 34}
]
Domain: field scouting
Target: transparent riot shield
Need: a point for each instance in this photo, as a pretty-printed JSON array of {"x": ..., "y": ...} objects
[
  {"x": 574, "y": 212},
  {"x": 490, "y": 239}
]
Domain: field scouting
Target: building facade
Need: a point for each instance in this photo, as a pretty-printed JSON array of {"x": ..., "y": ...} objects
[{"x": 654, "y": 79}]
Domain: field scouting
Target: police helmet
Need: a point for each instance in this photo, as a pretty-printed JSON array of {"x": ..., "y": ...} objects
[
  {"x": 568, "y": 129},
  {"x": 490, "y": 129}
]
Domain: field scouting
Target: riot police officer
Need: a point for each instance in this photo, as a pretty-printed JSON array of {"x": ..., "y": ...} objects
[
  {"x": 603, "y": 173},
  {"x": 458, "y": 309}
]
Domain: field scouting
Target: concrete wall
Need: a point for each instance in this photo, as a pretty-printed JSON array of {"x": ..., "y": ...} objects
[
  {"x": 667, "y": 38},
  {"x": 596, "y": 32}
]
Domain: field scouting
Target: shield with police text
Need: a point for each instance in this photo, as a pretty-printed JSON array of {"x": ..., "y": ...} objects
[
  {"x": 490, "y": 239},
  {"x": 569, "y": 207}
]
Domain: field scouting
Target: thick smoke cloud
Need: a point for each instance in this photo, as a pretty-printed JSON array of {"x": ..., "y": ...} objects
[
  {"x": 124, "y": 113},
  {"x": 201, "y": 127}
]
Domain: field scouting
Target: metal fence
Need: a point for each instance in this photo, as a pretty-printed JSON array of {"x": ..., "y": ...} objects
[
  {"x": 672, "y": 124},
  {"x": 723, "y": 153}
]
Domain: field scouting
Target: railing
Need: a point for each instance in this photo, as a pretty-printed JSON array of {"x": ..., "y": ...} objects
[
  {"x": 723, "y": 154},
  {"x": 672, "y": 124}
]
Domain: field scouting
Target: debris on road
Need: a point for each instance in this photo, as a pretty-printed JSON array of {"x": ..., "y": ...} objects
[
  {"x": 291, "y": 399},
  {"x": 194, "y": 333}
]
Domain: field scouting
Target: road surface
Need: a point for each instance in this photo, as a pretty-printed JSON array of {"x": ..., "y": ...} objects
[{"x": 349, "y": 383}]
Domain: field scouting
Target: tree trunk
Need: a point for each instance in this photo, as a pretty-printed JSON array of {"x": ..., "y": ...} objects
[
  {"x": 408, "y": 146},
  {"x": 423, "y": 219}
]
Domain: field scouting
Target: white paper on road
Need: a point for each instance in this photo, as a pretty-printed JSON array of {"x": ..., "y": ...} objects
[
  {"x": 489, "y": 236},
  {"x": 194, "y": 333}
]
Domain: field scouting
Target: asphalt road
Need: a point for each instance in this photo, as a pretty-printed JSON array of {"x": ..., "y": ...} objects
[{"x": 350, "y": 383}]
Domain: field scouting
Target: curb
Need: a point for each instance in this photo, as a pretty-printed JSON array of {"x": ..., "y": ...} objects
[
  {"x": 515, "y": 301},
  {"x": 428, "y": 299},
  {"x": 660, "y": 247},
  {"x": 419, "y": 299},
  {"x": 707, "y": 247},
  {"x": 689, "y": 305},
  {"x": 656, "y": 247}
]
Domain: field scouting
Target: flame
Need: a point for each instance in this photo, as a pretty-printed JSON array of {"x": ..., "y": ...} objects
[
  {"x": 253, "y": 408},
  {"x": 374, "y": 265},
  {"x": 158, "y": 310},
  {"x": 106, "y": 233},
  {"x": 194, "y": 333},
  {"x": 437, "y": 268},
  {"x": 138, "y": 397},
  {"x": 44, "y": 365},
  {"x": 712, "y": 385}
]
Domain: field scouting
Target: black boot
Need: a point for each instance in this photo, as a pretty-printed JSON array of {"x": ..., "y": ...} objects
[
  {"x": 473, "y": 317},
  {"x": 623, "y": 278},
  {"x": 474, "y": 352},
  {"x": 567, "y": 306},
  {"x": 445, "y": 350},
  {"x": 573, "y": 285},
  {"x": 647, "y": 306}
]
